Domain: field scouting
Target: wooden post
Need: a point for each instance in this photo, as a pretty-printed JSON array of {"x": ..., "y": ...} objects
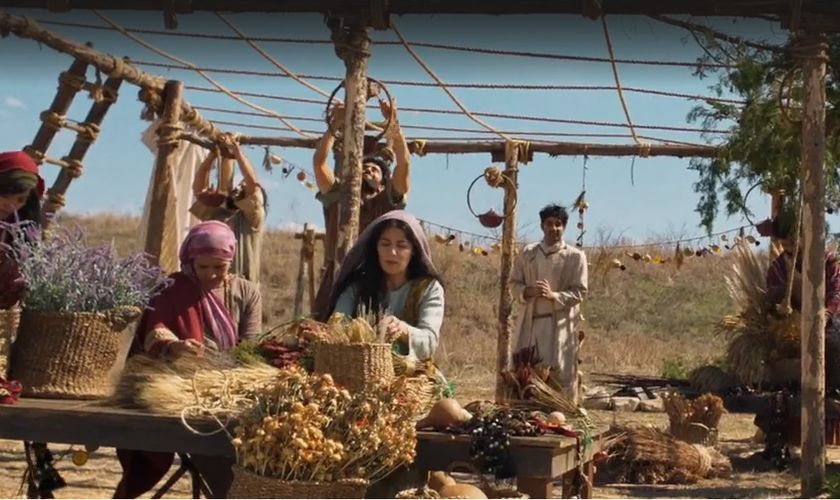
[
  {"x": 777, "y": 206},
  {"x": 86, "y": 134},
  {"x": 812, "y": 50},
  {"x": 503, "y": 341},
  {"x": 353, "y": 47},
  {"x": 162, "y": 232},
  {"x": 306, "y": 268}
]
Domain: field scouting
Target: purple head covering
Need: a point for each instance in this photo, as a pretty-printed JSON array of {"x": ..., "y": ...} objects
[{"x": 355, "y": 258}]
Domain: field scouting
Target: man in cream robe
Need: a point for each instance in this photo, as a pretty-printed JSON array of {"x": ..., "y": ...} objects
[{"x": 551, "y": 279}]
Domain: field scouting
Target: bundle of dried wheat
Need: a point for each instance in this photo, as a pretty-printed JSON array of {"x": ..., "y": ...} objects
[
  {"x": 191, "y": 386},
  {"x": 649, "y": 456},
  {"x": 707, "y": 409},
  {"x": 756, "y": 334}
]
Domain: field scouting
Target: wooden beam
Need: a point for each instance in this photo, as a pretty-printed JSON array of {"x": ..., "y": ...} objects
[
  {"x": 422, "y": 148},
  {"x": 812, "y": 49},
  {"x": 506, "y": 299},
  {"x": 726, "y": 8},
  {"x": 114, "y": 67},
  {"x": 352, "y": 45},
  {"x": 162, "y": 231}
]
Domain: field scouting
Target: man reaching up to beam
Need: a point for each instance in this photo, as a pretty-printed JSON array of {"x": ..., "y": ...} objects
[
  {"x": 551, "y": 279},
  {"x": 382, "y": 191}
]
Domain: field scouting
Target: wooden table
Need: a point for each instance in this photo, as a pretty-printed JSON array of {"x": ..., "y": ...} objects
[{"x": 540, "y": 461}]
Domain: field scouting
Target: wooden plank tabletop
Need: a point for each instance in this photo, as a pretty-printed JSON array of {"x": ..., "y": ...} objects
[{"x": 92, "y": 423}]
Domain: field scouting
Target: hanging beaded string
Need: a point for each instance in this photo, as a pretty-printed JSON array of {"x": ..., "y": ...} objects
[{"x": 582, "y": 205}]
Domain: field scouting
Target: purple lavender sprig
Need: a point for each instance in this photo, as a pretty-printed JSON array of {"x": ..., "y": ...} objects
[{"x": 62, "y": 273}]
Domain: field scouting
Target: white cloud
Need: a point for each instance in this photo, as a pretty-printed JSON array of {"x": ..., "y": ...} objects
[{"x": 14, "y": 102}]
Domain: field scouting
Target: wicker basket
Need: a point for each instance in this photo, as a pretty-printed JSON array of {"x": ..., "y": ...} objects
[
  {"x": 423, "y": 492},
  {"x": 422, "y": 389},
  {"x": 695, "y": 433},
  {"x": 68, "y": 355},
  {"x": 356, "y": 367},
  {"x": 246, "y": 484},
  {"x": 491, "y": 490},
  {"x": 9, "y": 322}
]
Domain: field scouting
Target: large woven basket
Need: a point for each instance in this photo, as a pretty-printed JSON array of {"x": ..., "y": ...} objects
[
  {"x": 356, "y": 367},
  {"x": 695, "y": 433},
  {"x": 246, "y": 484},
  {"x": 9, "y": 322},
  {"x": 61, "y": 355}
]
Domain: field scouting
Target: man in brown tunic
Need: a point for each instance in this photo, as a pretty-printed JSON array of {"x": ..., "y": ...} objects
[{"x": 382, "y": 190}]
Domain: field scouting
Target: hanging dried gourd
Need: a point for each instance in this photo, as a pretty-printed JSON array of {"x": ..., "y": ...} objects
[
  {"x": 581, "y": 205},
  {"x": 495, "y": 178},
  {"x": 616, "y": 264},
  {"x": 634, "y": 255}
]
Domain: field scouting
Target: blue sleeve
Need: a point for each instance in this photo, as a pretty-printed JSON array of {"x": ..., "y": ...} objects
[
  {"x": 346, "y": 303},
  {"x": 424, "y": 338}
]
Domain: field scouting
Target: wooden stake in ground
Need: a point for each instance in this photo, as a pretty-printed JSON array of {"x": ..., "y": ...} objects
[
  {"x": 503, "y": 349},
  {"x": 162, "y": 232},
  {"x": 812, "y": 50},
  {"x": 352, "y": 45},
  {"x": 306, "y": 268}
]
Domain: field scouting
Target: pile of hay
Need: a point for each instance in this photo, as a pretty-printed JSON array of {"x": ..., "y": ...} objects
[
  {"x": 649, "y": 456},
  {"x": 191, "y": 386}
]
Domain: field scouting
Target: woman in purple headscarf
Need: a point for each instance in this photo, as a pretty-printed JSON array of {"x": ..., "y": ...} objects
[
  {"x": 205, "y": 307},
  {"x": 389, "y": 272}
]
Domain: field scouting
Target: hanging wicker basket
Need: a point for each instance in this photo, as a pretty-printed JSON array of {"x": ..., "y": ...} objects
[
  {"x": 356, "y": 367},
  {"x": 9, "y": 322},
  {"x": 246, "y": 484},
  {"x": 60, "y": 355}
]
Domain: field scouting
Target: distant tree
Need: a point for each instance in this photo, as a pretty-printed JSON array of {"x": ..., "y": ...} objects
[{"x": 762, "y": 150}]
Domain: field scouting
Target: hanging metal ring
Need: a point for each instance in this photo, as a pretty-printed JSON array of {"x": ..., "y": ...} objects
[
  {"x": 373, "y": 84},
  {"x": 508, "y": 182}
]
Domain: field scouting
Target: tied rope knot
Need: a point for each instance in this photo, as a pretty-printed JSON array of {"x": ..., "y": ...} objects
[
  {"x": 73, "y": 167},
  {"x": 644, "y": 149},
  {"x": 89, "y": 132},
  {"x": 812, "y": 46},
  {"x": 153, "y": 100},
  {"x": 53, "y": 120},
  {"x": 55, "y": 199},
  {"x": 418, "y": 147},
  {"x": 494, "y": 177},
  {"x": 169, "y": 134},
  {"x": 704, "y": 461},
  {"x": 36, "y": 155},
  {"x": 29, "y": 28},
  {"x": 72, "y": 80}
]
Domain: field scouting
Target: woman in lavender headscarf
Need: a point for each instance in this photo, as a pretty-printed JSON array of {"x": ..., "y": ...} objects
[{"x": 389, "y": 272}]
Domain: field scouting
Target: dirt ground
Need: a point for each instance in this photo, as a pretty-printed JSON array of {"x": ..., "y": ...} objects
[{"x": 752, "y": 478}]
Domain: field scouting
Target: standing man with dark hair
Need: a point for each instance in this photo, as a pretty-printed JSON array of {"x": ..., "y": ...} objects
[
  {"x": 551, "y": 279},
  {"x": 382, "y": 190}
]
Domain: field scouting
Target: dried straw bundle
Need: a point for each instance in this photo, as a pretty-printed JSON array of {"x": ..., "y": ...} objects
[
  {"x": 756, "y": 334},
  {"x": 191, "y": 386},
  {"x": 649, "y": 456},
  {"x": 708, "y": 409}
]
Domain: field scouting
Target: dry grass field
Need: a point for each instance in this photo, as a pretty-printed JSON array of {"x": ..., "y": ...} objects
[{"x": 649, "y": 319}]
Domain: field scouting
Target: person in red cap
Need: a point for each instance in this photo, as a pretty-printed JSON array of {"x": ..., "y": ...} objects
[
  {"x": 382, "y": 190},
  {"x": 21, "y": 190}
]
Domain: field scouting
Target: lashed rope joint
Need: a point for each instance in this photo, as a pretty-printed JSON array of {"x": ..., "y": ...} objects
[
  {"x": 73, "y": 167},
  {"x": 169, "y": 134},
  {"x": 494, "y": 177},
  {"x": 72, "y": 80}
]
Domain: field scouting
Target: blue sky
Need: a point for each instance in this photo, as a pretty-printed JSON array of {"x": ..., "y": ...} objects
[{"x": 660, "y": 202}]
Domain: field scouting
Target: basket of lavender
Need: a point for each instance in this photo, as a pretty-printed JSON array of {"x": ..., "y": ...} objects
[{"x": 77, "y": 301}]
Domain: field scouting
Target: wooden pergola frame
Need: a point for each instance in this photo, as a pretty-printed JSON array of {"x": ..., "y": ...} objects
[{"x": 350, "y": 23}]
